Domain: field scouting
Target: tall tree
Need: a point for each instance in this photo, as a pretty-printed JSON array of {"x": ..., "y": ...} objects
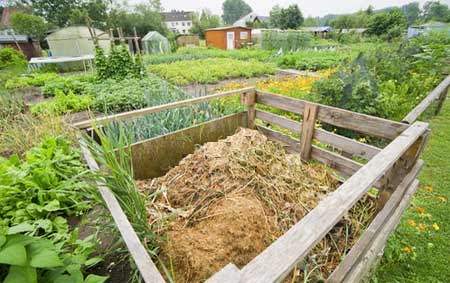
[
  {"x": 411, "y": 12},
  {"x": 94, "y": 9},
  {"x": 56, "y": 12},
  {"x": 233, "y": 10},
  {"x": 204, "y": 21},
  {"x": 436, "y": 11},
  {"x": 286, "y": 18},
  {"x": 390, "y": 24}
]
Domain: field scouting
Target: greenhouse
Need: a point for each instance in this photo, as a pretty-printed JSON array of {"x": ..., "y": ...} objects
[{"x": 155, "y": 43}]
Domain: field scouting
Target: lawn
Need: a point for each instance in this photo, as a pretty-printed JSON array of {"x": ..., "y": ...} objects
[{"x": 419, "y": 250}]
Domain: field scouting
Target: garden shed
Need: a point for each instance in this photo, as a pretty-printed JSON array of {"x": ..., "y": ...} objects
[
  {"x": 228, "y": 37},
  {"x": 155, "y": 43},
  {"x": 76, "y": 41},
  {"x": 20, "y": 42}
]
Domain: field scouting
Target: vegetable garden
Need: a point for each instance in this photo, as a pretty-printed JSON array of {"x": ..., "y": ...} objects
[{"x": 121, "y": 175}]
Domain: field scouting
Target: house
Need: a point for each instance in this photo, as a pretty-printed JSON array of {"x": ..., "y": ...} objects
[
  {"x": 321, "y": 32},
  {"x": 251, "y": 18},
  {"x": 178, "y": 21},
  {"x": 76, "y": 41},
  {"x": 414, "y": 31},
  {"x": 228, "y": 37},
  {"x": 20, "y": 42}
]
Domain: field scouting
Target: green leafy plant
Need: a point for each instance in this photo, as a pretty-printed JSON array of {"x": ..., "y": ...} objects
[
  {"x": 62, "y": 104},
  {"x": 9, "y": 57},
  {"x": 118, "y": 65}
]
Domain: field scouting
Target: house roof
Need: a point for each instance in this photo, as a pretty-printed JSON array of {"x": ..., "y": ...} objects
[
  {"x": 176, "y": 16},
  {"x": 227, "y": 28},
  {"x": 250, "y": 17},
  {"x": 9, "y": 37},
  {"x": 318, "y": 29}
]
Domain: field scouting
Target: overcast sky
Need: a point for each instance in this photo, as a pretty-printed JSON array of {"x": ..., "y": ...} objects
[{"x": 308, "y": 7}]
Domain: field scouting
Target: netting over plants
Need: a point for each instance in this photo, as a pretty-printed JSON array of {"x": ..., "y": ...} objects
[
  {"x": 287, "y": 40},
  {"x": 155, "y": 43}
]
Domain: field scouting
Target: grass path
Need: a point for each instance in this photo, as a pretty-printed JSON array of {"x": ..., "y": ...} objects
[{"x": 417, "y": 251}]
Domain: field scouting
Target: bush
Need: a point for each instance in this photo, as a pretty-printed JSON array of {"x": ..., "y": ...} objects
[
  {"x": 10, "y": 57},
  {"x": 118, "y": 65}
]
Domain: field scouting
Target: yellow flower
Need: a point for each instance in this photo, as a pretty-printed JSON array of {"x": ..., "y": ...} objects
[
  {"x": 412, "y": 223},
  {"x": 420, "y": 209},
  {"x": 363, "y": 140},
  {"x": 436, "y": 227},
  {"x": 422, "y": 227},
  {"x": 407, "y": 249},
  {"x": 442, "y": 199},
  {"x": 428, "y": 188}
]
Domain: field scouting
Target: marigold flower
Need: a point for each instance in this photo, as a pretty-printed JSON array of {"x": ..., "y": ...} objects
[
  {"x": 412, "y": 223},
  {"x": 436, "y": 227},
  {"x": 363, "y": 140},
  {"x": 420, "y": 209},
  {"x": 422, "y": 227},
  {"x": 442, "y": 199},
  {"x": 407, "y": 249},
  {"x": 429, "y": 188}
]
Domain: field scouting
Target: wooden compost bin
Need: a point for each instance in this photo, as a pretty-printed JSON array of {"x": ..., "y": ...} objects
[{"x": 393, "y": 170}]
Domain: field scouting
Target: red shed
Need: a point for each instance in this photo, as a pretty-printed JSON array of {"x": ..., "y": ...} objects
[{"x": 228, "y": 37}]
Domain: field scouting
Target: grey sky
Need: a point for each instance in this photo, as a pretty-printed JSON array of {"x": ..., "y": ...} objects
[{"x": 308, "y": 7}]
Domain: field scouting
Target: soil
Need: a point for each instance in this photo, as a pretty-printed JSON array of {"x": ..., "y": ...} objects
[{"x": 230, "y": 199}]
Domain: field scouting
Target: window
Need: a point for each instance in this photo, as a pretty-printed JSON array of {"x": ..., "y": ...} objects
[
  {"x": 182, "y": 23},
  {"x": 177, "y": 23},
  {"x": 173, "y": 24},
  {"x": 184, "y": 31},
  {"x": 188, "y": 23},
  {"x": 244, "y": 35}
]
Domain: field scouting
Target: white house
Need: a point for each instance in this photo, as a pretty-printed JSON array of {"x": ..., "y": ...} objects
[
  {"x": 178, "y": 21},
  {"x": 250, "y": 18}
]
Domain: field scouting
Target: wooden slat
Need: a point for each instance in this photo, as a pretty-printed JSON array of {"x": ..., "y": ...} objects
[
  {"x": 154, "y": 109},
  {"x": 336, "y": 141},
  {"x": 426, "y": 102},
  {"x": 274, "y": 263},
  {"x": 144, "y": 263},
  {"x": 375, "y": 226},
  {"x": 154, "y": 157},
  {"x": 249, "y": 98},
  {"x": 366, "y": 263},
  {"x": 291, "y": 145},
  {"x": 309, "y": 123},
  {"x": 362, "y": 123},
  {"x": 343, "y": 165},
  {"x": 229, "y": 274}
]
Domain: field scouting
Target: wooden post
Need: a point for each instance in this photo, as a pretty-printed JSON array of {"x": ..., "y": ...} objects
[
  {"x": 249, "y": 99},
  {"x": 111, "y": 36},
  {"x": 441, "y": 101},
  {"x": 400, "y": 169},
  {"x": 306, "y": 135},
  {"x": 136, "y": 41}
]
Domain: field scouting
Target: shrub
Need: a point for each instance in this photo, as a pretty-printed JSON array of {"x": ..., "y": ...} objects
[
  {"x": 118, "y": 65},
  {"x": 10, "y": 57}
]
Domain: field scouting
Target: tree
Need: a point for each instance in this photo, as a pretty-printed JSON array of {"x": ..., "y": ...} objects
[
  {"x": 94, "y": 9},
  {"x": 411, "y": 12},
  {"x": 286, "y": 18},
  {"x": 56, "y": 12},
  {"x": 233, "y": 10},
  {"x": 30, "y": 25},
  {"x": 435, "y": 11},
  {"x": 390, "y": 24},
  {"x": 311, "y": 22},
  {"x": 369, "y": 10},
  {"x": 203, "y": 22}
]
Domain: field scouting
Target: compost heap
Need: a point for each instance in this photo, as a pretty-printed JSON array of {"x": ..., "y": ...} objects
[{"x": 231, "y": 199}]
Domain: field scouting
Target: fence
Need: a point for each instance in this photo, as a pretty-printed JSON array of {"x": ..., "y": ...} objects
[{"x": 392, "y": 170}]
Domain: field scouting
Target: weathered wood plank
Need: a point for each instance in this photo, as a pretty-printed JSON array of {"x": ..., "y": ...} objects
[
  {"x": 441, "y": 101},
  {"x": 375, "y": 226},
  {"x": 291, "y": 145},
  {"x": 229, "y": 274},
  {"x": 336, "y": 141},
  {"x": 249, "y": 98},
  {"x": 362, "y": 123},
  {"x": 274, "y": 263},
  {"x": 154, "y": 109},
  {"x": 366, "y": 262},
  {"x": 426, "y": 102},
  {"x": 343, "y": 165},
  {"x": 309, "y": 123},
  {"x": 154, "y": 157},
  {"x": 144, "y": 263}
]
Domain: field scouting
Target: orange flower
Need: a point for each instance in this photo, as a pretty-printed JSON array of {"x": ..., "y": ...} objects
[
  {"x": 407, "y": 249},
  {"x": 436, "y": 227},
  {"x": 422, "y": 227},
  {"x": 412, "y": 223},
  {"x": 442, "y": 199},
  {"x": 428, "y": 188},
  {"x": 420, "y": 209}
]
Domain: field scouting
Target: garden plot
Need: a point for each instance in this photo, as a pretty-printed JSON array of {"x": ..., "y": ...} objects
[{"x": 227, "y": 202}]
